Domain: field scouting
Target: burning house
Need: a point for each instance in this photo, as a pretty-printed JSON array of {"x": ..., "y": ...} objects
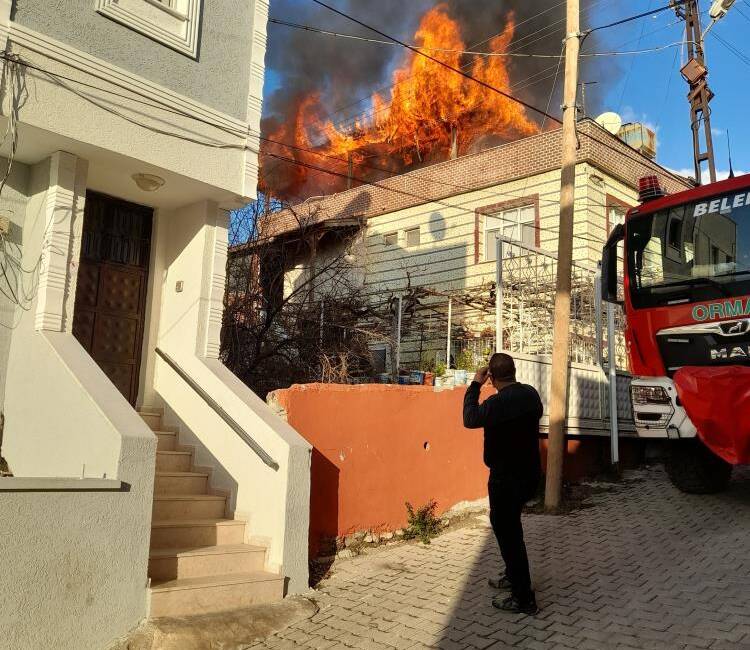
[
  {"x": 408, "y": 201},
  {"x": 430, "y": 237}
]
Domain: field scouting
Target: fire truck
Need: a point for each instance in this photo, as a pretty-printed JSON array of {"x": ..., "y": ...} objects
[{"x": 680, "y": 267}]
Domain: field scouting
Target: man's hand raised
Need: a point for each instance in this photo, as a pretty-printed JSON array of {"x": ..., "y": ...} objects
[{"x": 482, "y": 375}]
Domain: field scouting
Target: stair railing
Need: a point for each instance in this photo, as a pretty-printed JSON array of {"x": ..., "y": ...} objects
[{"x": 233, "y": 424}]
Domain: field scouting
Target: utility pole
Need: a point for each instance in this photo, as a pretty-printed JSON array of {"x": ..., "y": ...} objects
[
  {"x": 695, "y": 73},
  {"x": 561, "y": 331}
]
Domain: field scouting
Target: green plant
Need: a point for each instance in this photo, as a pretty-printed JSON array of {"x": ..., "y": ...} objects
[
  {"x": 465, "y": 360},
  {"x": 423, "y": 524},
  {"x": 427, "y": 363},
  {"x": 440, "y": 369}
]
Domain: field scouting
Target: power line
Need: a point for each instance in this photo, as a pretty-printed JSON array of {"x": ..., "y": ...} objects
[
  {"x": 744, "y": 58},
  {"x": 528, "y": 55},
  {"x": 517, "y": 46},
  {"x": 645, "y": 14},
  {"x": 220, "y": 145},
  {"x": 439, "y": 62}
]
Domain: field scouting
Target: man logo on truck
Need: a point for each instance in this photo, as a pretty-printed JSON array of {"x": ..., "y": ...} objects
[{"x": 737, "y": 352}]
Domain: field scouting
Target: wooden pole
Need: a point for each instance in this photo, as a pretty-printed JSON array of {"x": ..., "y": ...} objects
[{"x": 561, "y": 331}]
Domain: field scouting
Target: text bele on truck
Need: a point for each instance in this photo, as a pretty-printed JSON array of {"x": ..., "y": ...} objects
[{"x": 686, "y": 279}]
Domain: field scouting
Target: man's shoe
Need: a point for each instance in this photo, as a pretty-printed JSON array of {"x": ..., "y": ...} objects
[
  {"x": 501, "y": 582},
  {"x": 516, "y": 606}
]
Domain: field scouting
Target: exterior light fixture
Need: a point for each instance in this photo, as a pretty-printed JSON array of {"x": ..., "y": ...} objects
[{"x": 148, "y": 182}]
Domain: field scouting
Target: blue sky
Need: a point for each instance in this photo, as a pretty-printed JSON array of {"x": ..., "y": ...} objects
[
  {"x": 644, "y": 87},
  {"x": 649, "y": 87}
]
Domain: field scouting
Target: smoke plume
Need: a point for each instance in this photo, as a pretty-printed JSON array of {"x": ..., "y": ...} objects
[{"x": 318, "y": 80}]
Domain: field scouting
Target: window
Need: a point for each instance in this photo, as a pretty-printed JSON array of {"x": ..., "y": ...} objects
[
  {"x": 615, "y": 215},
  {"x": 516, "y": 224},
  {"x": 412, "y": 237},
  {"x": 379, "y": 360},
  {"x": 175, "y": 23},
  {"x": 391, "y": 239}
]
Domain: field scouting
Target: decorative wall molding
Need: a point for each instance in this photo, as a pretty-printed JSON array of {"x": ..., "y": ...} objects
[
  {"x": 112, "y": 74},
  {"x": 59, "y": 215},
  {"x": 5, "y": 9},
  {"x": 255, "y": 96},
  {"x": 176, "y": 26},
  {"x": 217, "y": 286}
]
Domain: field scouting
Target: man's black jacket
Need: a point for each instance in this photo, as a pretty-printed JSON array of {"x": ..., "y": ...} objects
[{"x": 511, "y": 431}]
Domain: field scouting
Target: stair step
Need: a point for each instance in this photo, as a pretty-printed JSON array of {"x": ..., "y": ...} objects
[
  {"x": 188, "y": 506},
  {"x": 181, "y": 483},
  {"x": 172, "y": 564},
  {"x": 190, "y": 533},
  {"x": 174, "y": 461},
  {"x": 189, "y": 596},
  {"x": 151, "y": 418},
  {"x": 166, "y": 440}
]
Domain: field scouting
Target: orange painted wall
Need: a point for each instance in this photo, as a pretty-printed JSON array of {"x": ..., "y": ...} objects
[{"x": 377, "y": 446}]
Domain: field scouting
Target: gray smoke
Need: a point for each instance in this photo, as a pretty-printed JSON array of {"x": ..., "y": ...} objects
[{"x": 344, "y": 71}]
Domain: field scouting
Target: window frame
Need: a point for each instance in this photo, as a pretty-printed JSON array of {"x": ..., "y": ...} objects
[
  {"x": 408, "y": 231},
  {"x": 480, "y": 223},
  {"x": 174, "y": 23},
  {"x": 613, "y": 202},
  {"x": 390, "y": 234}
]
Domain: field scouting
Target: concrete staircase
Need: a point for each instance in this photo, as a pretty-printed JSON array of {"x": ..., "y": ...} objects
[{"x": 198, "y": 562}]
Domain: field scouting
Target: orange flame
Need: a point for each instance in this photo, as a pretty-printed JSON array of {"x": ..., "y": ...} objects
[{"x": 433, "y": 113}]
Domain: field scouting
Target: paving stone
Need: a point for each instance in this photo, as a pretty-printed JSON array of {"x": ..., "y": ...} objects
[{"x": 646, "y": 567}]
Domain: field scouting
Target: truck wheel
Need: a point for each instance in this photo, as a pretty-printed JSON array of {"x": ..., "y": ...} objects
[{"x": 695, "y": 469}]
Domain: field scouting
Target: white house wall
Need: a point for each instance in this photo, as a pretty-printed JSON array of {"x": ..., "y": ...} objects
[
  {"x": 75, "y": 558},
  {"x": 445, "y": 257},
  {"x": 224, "y": 37},
  {"x": 13, "y": 208}
]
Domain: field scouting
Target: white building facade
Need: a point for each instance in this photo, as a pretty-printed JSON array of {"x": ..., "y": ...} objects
[{"x": 132, "y": 129}]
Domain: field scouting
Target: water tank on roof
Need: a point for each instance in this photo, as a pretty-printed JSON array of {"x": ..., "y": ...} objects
[{"x": 640, "y": 137}]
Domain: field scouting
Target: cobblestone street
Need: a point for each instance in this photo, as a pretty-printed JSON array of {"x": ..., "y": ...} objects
[{"x": 643, "y": 567}]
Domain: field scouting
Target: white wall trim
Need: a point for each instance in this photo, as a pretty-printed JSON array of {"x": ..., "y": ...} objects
[
  {"x": 44, "y": 484},
  {"x": 177, "y": 28},
  {"x": 218, "y": 282},
  {"x": 61, "y": 206},
  {"x": 5, "y": 9},
  {"x": 255, "y": 95},
  {"x": 112, "y": 74}
]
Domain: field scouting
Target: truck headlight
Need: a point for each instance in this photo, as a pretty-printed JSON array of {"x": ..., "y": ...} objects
[{"x": 642, "y": 395}]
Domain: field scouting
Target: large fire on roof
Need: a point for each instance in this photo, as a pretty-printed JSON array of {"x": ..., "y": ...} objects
[{"x": 429, "y": 114}]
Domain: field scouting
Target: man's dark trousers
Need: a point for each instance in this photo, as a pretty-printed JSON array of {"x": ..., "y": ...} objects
[{"x": 507, "y": 498}]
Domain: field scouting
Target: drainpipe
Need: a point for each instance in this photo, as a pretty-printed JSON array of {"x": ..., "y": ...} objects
[
  {"x": 614, "y": 440},
  {"x": 398, "y": 337},
  {"x": 448, "y": 345},
  {"x": 499, "y": 296}
]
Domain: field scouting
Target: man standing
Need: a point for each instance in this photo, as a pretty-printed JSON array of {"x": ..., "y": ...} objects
[{"x": 511, "y": 451}]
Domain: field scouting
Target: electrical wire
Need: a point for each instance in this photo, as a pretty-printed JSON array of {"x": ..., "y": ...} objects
[
  {"x": 215, "y": 144},
  {"x": 629, "y": 19},
  {"x": 484, "y": 84},
  {"x": 517, "y": 45},
  {"x": 528, "y": 55}
]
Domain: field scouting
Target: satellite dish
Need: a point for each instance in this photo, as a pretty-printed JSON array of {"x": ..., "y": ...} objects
[{"x": 612, "y": 122}]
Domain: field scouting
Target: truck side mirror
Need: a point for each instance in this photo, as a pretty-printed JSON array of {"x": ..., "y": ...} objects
[{"x": 609, "y": 265}]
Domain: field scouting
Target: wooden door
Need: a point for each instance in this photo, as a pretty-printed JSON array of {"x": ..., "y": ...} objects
[{"x": 111, "y": 290}]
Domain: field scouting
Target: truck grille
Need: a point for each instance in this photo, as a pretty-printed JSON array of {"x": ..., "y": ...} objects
[{"x": 707, "y": 344}]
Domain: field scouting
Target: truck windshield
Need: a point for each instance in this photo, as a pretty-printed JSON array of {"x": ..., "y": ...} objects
[{"x": 695, "y": 251}]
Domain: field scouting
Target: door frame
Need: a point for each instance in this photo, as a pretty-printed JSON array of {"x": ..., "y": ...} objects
[{"x": 145, "y": 286}]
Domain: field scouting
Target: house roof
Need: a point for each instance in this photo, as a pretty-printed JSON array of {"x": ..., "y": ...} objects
[{"x": 515, "y": 160}]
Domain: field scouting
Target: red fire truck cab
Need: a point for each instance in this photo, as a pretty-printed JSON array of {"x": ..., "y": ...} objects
[{"x": 685, "y": 272}]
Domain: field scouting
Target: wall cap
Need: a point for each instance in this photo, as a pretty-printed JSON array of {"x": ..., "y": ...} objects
[{"x": 52, "y": 484}]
